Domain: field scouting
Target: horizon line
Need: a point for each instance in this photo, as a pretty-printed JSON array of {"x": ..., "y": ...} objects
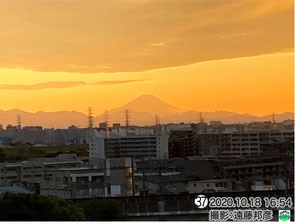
[{"x": 184, "y": 111}]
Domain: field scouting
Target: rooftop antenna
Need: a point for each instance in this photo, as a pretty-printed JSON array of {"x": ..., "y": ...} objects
[
  {"x": 127, "y": 119},
  {"x": 18, "y": 121}
]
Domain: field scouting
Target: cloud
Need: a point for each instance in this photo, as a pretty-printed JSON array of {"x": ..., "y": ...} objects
[
  {"x": 110, "y": 36},
  {"x": 158, "y": 44},
  {"x": 45, "y": 85},
  {"x": 62, "y": 85},
  {"x": 115, "y": 82}
]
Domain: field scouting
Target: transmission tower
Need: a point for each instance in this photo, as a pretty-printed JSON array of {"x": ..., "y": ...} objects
[
  {"x": 127, "y": 120},
  {"x": 157, "y": 123},
  {"x": 273, "y": 118},
  {"x": 201, "y": 118},
  {"x": 90, "y": 123},
  {"x": 90, "y": 118},
  {"x": 18, "y": 121},
  {"x": 106, "y": 117}
]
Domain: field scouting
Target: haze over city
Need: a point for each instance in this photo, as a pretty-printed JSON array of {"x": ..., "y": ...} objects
[{"x": 143, "y": 111}]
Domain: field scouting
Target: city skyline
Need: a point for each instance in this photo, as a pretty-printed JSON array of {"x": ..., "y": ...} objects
[{"x": 143, "y": 110}]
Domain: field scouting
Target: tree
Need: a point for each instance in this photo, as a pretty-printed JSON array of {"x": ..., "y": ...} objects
[
  {"x": 2, "y": 155},
  {"x": 103, "y": 210},
  {"x": 27, "y": 207}
]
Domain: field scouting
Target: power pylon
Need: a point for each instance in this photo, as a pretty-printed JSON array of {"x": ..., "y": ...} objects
[
  {"x": 90, "y": 118},
  {"x": 106, "y": 117},
  {"x": 18, "y": 121},
  {"x": 127, "y": 120}
]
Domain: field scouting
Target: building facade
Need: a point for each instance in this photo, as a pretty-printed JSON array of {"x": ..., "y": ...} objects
[
  {"x": 244, "y": 143},
  {"x": 155, "y": 146},
  {"x": 182, "y": 144}
]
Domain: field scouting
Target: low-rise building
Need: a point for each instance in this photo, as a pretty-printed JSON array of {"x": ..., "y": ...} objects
[
  {"x": 268, "y": 185},
  {"x": 111, "y": 179},
  {"x": 213, "y": 185},
  {"x": 13, "y": 189},
  {"x": 32, "y": 171}
]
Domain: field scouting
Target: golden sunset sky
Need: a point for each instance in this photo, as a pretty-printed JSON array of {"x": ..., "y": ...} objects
[{"x": 208, "y": 55}]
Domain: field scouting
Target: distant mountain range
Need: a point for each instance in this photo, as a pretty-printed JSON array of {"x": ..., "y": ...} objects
[{"x": 142, "y": 112}]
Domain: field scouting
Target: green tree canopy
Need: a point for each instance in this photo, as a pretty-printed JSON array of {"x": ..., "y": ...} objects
[
  {"x": 26, "y": 207},
  {"x": 103, "y": 210},
  {"x": 2, "y": 155}
]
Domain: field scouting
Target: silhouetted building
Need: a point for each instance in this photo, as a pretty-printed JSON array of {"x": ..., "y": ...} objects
[
  {"x": 103, "y": 126},
  {"x": 182, "y": 144}
]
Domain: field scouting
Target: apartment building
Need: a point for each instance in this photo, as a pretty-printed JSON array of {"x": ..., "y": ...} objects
[
  {"x": 32, "y": 171},
  {"x": 242, "y": 143},
  {"x": 113, "y": 178},
  {"x": 213, "y": 185},
  {"x": 182, "y": 144},
  {"x": 37, "y": 135},
  {"x": 67, "y": 176},
  {"x": 153, "y": 146},
  {"x": 255, "y": 143},
  {"x": 73, "y": 183},
  {"x": 263, "y": 167}
]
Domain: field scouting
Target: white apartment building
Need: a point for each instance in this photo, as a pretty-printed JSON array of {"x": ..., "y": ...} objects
[
  {"x": 97, "y": 148},
  {"x": 153, "y": 146}
]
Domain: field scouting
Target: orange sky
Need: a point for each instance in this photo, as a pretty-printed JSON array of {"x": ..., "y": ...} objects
[{"x": 196, "y": 55}]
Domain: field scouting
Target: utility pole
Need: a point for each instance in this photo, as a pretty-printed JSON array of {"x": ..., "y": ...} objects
[
  {"x": 160, "y": 181},
  {"x": 161, "y": 202},
  {"x": 286, "y": 166},
  {"x": 132, "y": 167},
  {"x": 143, "y": 178},
  {"x": 106, "y": 193}
]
